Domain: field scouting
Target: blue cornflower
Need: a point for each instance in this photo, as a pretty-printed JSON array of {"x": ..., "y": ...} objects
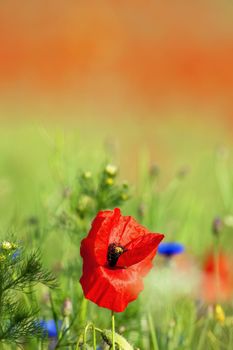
[
  {"x": 16, "y": 254},
  {"x": 49, "y": 327},
  {"x": 170, "y": 248}
]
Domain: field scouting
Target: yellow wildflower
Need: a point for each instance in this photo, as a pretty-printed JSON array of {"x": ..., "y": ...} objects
[
  {"x": 111, "y": 170},
  {"x": 219, "y": 314},
  {"x": 109, "y": 181},
  {"x": 7, "y": 245}
]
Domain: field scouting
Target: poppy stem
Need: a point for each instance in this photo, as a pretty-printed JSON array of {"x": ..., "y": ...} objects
[
  {"x": 152, "y": 332},
  {"x": 217, "y": 270},
  {"x": 113, "y": 331},
  {"x": 94, "y": 337}
]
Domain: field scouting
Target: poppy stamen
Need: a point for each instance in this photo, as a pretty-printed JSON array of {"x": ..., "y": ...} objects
[{"x": 114, "y": 252}]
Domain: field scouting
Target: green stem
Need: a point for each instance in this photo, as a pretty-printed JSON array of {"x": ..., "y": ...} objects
[
  {"x": 152, "y": 332},
  {"x": 94, "y": 337},
  {"x": 85, "y": 333},
  {"x": 113, "y": 331},
  {"x": 203, "y": 335},
  {"x": 94, "y": 329},
  {"x": 83, "y": 312}
]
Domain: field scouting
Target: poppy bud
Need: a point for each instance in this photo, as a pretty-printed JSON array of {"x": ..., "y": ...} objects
[
  {"x": 33, "y": 220},
  {"x": 141, "y": 210},
  {"x": 154, "y": 171},
  {"x": 217, "y": 226},
  {"x": 67, "y": 307},
  {"x": 125, "y": 185},
  {"x": 183, "y": 172}
]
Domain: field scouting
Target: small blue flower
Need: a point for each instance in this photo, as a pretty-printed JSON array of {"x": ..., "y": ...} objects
[
  {"x": 16, "y": 254},
  {"x": 170, "y": 248},
  {"x": 49, "y": 327}
]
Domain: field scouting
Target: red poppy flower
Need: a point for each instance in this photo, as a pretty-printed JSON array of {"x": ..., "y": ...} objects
[
  {"x": 116, "y": 254},
  {"x": 215, "y": 287}
]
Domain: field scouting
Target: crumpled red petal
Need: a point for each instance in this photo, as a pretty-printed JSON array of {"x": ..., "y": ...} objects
[
  {"x": 139, "y": 248},
  {"x": 112, "y": 289}
]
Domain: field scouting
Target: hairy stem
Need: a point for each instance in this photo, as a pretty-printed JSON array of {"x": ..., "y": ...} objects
[{"x": 113, "y": 331}]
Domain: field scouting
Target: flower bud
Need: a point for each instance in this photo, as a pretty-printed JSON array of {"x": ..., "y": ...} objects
[
  {"x": 141, "y": 210},
  {"x": 154, "y": 170},
  {"x": 87, "y": 175},
  {"x": 67, "y": 307},
  {"x": 124, "y": 196},
  {"x": 111, "y": 170},
  {"x": 217, "y": 226},
  {"x": 84, "y": 204}
]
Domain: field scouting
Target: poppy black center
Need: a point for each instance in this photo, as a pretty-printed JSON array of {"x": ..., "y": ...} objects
[{"x": 114, "y": 252}]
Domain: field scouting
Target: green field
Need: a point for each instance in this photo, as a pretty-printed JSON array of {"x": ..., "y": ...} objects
[{"x": 172, "y": 179}]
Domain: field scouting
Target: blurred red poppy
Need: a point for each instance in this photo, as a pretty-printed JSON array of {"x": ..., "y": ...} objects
[
  {"x": 217, "y": 278},
  {"x": 116, "y": 254}
]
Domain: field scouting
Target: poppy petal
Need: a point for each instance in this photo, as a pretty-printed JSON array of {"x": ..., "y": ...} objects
[
  {"x": 139, "y": 248},
  {"x": 98, "y": 238},
  {"x": 112, "y": 289}
]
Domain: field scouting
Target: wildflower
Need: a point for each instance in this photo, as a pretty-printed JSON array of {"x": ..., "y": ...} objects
[
  {"x": 170, "y": 248},
  {"x": 109, "y": 181},
  {"x": 111, "y": 170},
  {"x": 16, "y": 254},
  {"x": 116, "y": 254},
  {"x": 219, "y": 314},
  {"x": 49, "y": 328},
  {"x": 7, "y": 245},
  {"x": 216, "y": 282}
]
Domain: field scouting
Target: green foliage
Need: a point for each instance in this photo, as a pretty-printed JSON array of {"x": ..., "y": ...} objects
[
  {"x": 59, "y": 203},
  {"x": 19, "y": 273}
]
